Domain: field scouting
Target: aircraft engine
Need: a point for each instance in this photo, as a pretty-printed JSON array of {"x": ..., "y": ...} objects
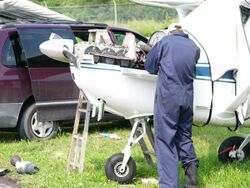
[{"x": 115, "y": 55}]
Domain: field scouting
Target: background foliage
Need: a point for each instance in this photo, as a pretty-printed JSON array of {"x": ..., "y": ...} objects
[
  {"x": 75, "y": 2},
  {"x": 141, "y": 18}
]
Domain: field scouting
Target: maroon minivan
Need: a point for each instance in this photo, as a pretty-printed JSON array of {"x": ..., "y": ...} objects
[{"x": 38, "y": 92}]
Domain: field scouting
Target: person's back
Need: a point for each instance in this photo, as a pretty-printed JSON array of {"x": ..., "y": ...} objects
[
  {"x": 177, "y": 55},
  {"x": 182, "y": 56},
  {"x": 174, "y": 59}
]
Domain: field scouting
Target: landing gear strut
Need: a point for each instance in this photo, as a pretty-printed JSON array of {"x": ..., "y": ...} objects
[{"x": 121, "y": 167}]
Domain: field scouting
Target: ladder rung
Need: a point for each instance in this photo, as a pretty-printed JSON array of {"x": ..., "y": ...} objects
[
  {"x": 78, "y": 142},
  {"x": 77, "y": 137},
  {"x": 82, "y": 110},
  {"x": 74, "y": 165}
]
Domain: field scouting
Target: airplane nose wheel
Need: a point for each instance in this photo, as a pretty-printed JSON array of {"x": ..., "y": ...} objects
[
  {"x": 115, "y": 172},
  {"x": 229, "y": 150}
]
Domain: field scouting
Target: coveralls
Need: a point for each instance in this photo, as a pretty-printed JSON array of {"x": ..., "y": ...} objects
[{"x": 174, "y": 59}]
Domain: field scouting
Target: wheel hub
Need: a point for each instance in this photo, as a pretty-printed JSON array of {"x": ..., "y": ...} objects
[
  {"x": 41, "y": 129},
  {"x": 119, "y": 171},
  {"x": 237, "y": 154}
]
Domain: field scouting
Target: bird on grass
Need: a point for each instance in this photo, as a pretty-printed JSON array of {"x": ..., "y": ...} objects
[{"x": 23, "y": 167}]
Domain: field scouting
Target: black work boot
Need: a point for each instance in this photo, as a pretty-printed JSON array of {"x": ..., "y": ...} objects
[{"x": 191, "y": 176}]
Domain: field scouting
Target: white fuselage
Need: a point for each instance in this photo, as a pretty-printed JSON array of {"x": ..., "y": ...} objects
[
  {"x": 130, "y": 92},
  {"x": 221, "y": 85},
  {"x": 124, "y": 93}
]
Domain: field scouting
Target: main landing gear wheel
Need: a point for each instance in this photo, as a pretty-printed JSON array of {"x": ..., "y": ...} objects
[
  {"x": 228, "y": 151},
  {"x": 114, "y": 172}
]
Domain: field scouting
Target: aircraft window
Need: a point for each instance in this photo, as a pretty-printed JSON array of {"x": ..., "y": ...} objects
[{"x": 13, "y": 52}]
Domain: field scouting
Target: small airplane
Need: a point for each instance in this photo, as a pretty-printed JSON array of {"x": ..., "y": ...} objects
[{"x": 221, "y": 28}]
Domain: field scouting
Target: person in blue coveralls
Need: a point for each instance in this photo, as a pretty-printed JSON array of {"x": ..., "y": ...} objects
[{"x": 173, "y": 58}]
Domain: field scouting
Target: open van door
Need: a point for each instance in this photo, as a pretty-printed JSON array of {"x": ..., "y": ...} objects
[{"x": 53, "y": 88}]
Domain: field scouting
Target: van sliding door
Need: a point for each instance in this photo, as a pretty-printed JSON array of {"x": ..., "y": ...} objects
[{"x": 54, "y": 91}]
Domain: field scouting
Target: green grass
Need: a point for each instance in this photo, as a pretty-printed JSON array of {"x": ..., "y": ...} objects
[{"x": 51, "y": 157}]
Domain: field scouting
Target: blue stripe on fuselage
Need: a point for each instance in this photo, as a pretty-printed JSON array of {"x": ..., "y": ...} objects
[{"x": 203, "y": 72}]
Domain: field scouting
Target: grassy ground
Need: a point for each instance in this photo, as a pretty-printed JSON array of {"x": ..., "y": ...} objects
[{"x": 51, "y": 157}]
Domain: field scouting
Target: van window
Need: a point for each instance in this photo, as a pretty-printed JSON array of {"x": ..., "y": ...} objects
[
  {"x": 32, "y": 38},
  {"x": 13, "y": 52}
]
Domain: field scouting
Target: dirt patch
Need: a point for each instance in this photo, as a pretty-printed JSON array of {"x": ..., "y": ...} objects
[{"x": 8, "y": 183}]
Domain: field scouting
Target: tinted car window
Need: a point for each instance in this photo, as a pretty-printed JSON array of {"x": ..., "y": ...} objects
[
  {"x": 13, "y": 52},
  {"x": 33, "y": 37},
  {"x": 8, "y": 56}
]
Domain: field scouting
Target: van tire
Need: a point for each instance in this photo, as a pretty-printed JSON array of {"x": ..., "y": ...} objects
[{"x": 31, "y": 129}]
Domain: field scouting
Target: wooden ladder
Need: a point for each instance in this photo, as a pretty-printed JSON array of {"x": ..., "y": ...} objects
[{"x": 78, "y": 144}]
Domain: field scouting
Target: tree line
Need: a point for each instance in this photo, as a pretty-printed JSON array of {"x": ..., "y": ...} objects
[{"x": 75, "y": 2}]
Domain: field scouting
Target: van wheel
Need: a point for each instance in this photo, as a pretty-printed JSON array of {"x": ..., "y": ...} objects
[{"x": 32, "y": 129}]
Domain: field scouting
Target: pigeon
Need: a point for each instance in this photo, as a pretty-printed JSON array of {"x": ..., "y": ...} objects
[{"x": 23, "y": 167}]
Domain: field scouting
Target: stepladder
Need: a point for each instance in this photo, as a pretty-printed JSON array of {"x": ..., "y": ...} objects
[{"x": 78, "y": 144}]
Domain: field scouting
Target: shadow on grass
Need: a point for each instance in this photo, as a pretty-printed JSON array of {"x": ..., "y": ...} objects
[
  {"x": 67, "y": 127},
  {"x": 9, "y": 136},
  {"x": 103, "y": 126}
]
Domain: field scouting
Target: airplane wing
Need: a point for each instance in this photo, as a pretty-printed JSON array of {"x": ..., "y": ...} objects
[
  {"x": 170, "y": 3},
  {"x": 16, "y": 9},
  {"x": 182, "y": 6}
]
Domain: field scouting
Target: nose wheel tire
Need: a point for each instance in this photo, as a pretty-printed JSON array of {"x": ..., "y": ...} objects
[
  {"x": 114, "y": 172},
  {"x": 228, "y": 151}
]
